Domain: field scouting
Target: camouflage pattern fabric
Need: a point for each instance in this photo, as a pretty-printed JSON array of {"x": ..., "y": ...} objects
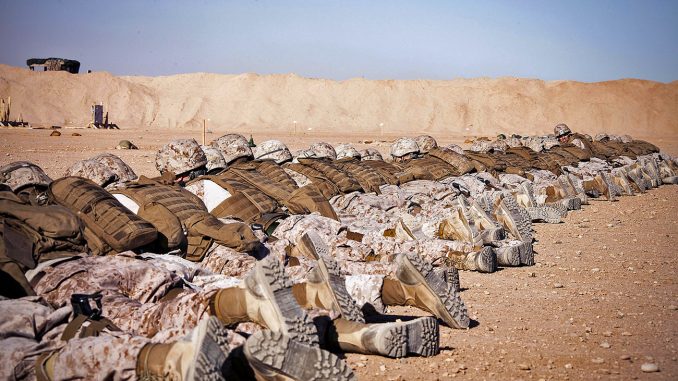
[
  {"x": 323, "y": 150},
  {"x": 346, "y": 151},
  {"x": 232, "y": 147},
  {"x": 215, "y": 160},
  {"x": 404, "y": 146},
  {"x": 20, "y": 174},
  {"x": 99, "y": 173},
  {"x": 272, "y": 150},
  {"x": 180, "y": 156},
  {"x": 119, "y": 167}
]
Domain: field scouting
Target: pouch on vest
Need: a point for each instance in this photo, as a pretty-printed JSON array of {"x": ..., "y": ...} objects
[
  {"x": 236, "y": 235},
  {"x": 310, "y": 198},
  {"x": 103, "y": 214},
  {"x": 171, "y": 234}
]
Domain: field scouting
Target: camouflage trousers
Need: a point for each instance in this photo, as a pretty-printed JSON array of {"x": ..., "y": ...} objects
[
  {"x": 134, "y": 290},
  {"x": 31, "y": 328}
]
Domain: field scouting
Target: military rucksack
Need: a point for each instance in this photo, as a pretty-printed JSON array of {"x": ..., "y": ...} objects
[
  {"x": 30, "y": 234},
  {"x": 109, "y": 226}
]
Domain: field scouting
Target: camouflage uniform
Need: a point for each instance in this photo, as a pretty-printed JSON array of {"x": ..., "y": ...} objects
[{"x": 31, "y": 328}]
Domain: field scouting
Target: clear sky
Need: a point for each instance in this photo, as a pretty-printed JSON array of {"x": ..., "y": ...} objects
[{"x": 588, "y": 41}]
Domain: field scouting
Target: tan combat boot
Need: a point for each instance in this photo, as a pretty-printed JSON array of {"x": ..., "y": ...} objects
[
  {"x": 201, "y": 357},
  {"x": 416, "y": 284},
  {"x": 514, "y": 218},
  {"x": 414, "y": 337},
  {"x": 266, "y": 298},
  {"x": 458, "y": 226},
  {"x": 276, "y": 357},
  {"x": 483, "y": 260},
  {"x": 546, "y": 213},
  {"x": 606, "y": 186},
  {"x": 325, "y": 286}
]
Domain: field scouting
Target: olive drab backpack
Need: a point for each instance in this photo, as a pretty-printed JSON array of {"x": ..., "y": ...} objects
[{"x": 30, "y": 234}]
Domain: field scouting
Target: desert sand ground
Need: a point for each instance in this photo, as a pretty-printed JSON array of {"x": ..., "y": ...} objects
[{"x": 599, "y": 303}]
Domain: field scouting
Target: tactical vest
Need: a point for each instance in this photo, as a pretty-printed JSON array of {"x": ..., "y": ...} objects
[
  {"x": 344, "y": 181},
  {"x": 485, "y": 162},
  {"x": 370, "y": 180},
  {"x": 433, "y": 168},
  {"x": 202, "y": 228},
  {"x": 275, "y": 173},
  {"x": 324, "y": 185},
  {"x": 460, "y": 163},
  {"x": 246, "y": 202},
  {"x": 394, "y": 175},
  {"x": 109, "y": 226},
  {"x": 300, "y": 200},
  {"x": 640, "y": 147}
]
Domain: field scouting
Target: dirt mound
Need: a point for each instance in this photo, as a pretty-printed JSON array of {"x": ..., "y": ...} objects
[{"x": 280, "y": 103}]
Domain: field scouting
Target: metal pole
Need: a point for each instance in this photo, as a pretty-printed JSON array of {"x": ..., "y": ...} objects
[{"x": 204, "y": 128}]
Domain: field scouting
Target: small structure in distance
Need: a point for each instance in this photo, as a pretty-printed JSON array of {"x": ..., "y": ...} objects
[
  {"x": 54, "y": 64},
  {"x": 4, "y": 115},
  {"x": 99, "y": 120}
]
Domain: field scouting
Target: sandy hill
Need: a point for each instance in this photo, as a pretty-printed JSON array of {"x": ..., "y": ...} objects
[{"x": 279, "y": 103}]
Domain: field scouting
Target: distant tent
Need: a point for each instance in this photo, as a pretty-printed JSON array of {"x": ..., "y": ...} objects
[{"x": 54, "y": 64}]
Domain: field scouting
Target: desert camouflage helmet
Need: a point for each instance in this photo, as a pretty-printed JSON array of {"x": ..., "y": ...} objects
[
  {"x": 455, "y": 148},
  {"x": 346, "y": 150},
  {"x": 425, "y": 143},
  {"x": 93, "y": 170},
  {"x": 180, "y": 156},
  {"x": 119, "y": 167},
  {"x": 370, "y": 154},
  {"x": 232, "y": 146},
  {"x": 561, "y": 130},
  {"x": 602, "y": 137},
  {"x": 20, "y": 174},
  {"x": 303, "y": 154},
  {"x": 215, "y": 160},
  {"x": 323, "y": 150},
  {"x": 404, "y": 146},
  {"x": 272, "y": 150}
]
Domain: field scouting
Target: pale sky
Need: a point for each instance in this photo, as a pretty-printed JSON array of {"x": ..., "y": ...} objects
[{"x": 575, "y": 40}]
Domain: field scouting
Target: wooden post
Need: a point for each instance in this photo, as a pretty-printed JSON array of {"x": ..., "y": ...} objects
[{"x": 204, "y": 129}]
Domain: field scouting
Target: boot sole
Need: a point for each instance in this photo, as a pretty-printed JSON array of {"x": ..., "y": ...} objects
[
  {"x": 457, "y": 314},
  {"x": 526, "y": 254},
  {"x": 544, "y": 213},
  {"x": 508, "y": 256},
  {"x": 330, "y": 271},
  {"x": 573, "y": 203},
  {"x": 278, "y": 357},
  {"x": 516, "y": 219},
  {"x": 491, "y": 235},
  {"x": 486, "y": 260},
  {"x": 295, "y": 322},
  {"x": 423, "y": 336},
  {"x": 212, "y": 353}
]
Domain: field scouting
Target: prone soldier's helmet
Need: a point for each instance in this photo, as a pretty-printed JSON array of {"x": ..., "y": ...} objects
[
  {"x": 232, "y": 146},
  {"x": 180, "y": 156},
  {"x": 273, "y": 150},
  {"x": 561, "y": 130},
  {"x": 404, "y": 146},
  {"x": 124, "y": 172},
  {"x": 455, "y": 148},
  {"x": 501, "y": 137},
  {"x": 215, "y": 160},
  {"x": 370, "y": 154},
  {"x": 602, "y": 137},
  {"x": 347, "y": 150},
  {"x": 425, "y": 143},
  {"x": 21, "y": 174},
  {"x": 323, "y": 150},
  {"x": 303, "y": 154},
  {"x": 93, "y": 170}
]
